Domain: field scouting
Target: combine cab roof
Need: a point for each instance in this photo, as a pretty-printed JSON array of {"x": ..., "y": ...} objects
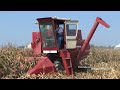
[{"x": 55, "y": 18}]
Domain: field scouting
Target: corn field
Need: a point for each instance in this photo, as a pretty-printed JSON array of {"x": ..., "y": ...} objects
[{"x": 105, "y": 64}]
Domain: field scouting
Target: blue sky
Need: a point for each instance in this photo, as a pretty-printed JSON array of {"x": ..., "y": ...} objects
[{"x": 17, "y": 26}]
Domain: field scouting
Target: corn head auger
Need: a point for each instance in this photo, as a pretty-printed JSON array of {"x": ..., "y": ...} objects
[{"x": 73, "y": 49}]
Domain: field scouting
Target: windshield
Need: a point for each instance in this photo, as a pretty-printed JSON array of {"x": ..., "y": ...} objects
[{"x": 46, "y": 30}]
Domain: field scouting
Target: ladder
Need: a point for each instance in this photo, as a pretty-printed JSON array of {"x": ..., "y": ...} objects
[{"x": 67, "y": 62}]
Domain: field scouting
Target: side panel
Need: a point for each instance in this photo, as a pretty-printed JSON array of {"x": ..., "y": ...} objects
[
  {"x": 79, "y": 38},
  {"x": 35, "y": 35},
  {"x": 36, "y": 42}
]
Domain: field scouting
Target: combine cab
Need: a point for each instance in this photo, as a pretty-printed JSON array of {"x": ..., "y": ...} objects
[{"x": 73, "y": 48}]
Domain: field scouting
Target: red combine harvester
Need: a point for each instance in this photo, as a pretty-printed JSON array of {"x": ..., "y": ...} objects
[{"x": 72, "y": 51}]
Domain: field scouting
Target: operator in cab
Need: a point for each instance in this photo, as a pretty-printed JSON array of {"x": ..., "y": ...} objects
[{"x": 59, "y": 35}]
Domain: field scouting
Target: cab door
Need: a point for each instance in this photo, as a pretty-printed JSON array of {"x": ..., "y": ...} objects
[{"x": 71, "y": 33}]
